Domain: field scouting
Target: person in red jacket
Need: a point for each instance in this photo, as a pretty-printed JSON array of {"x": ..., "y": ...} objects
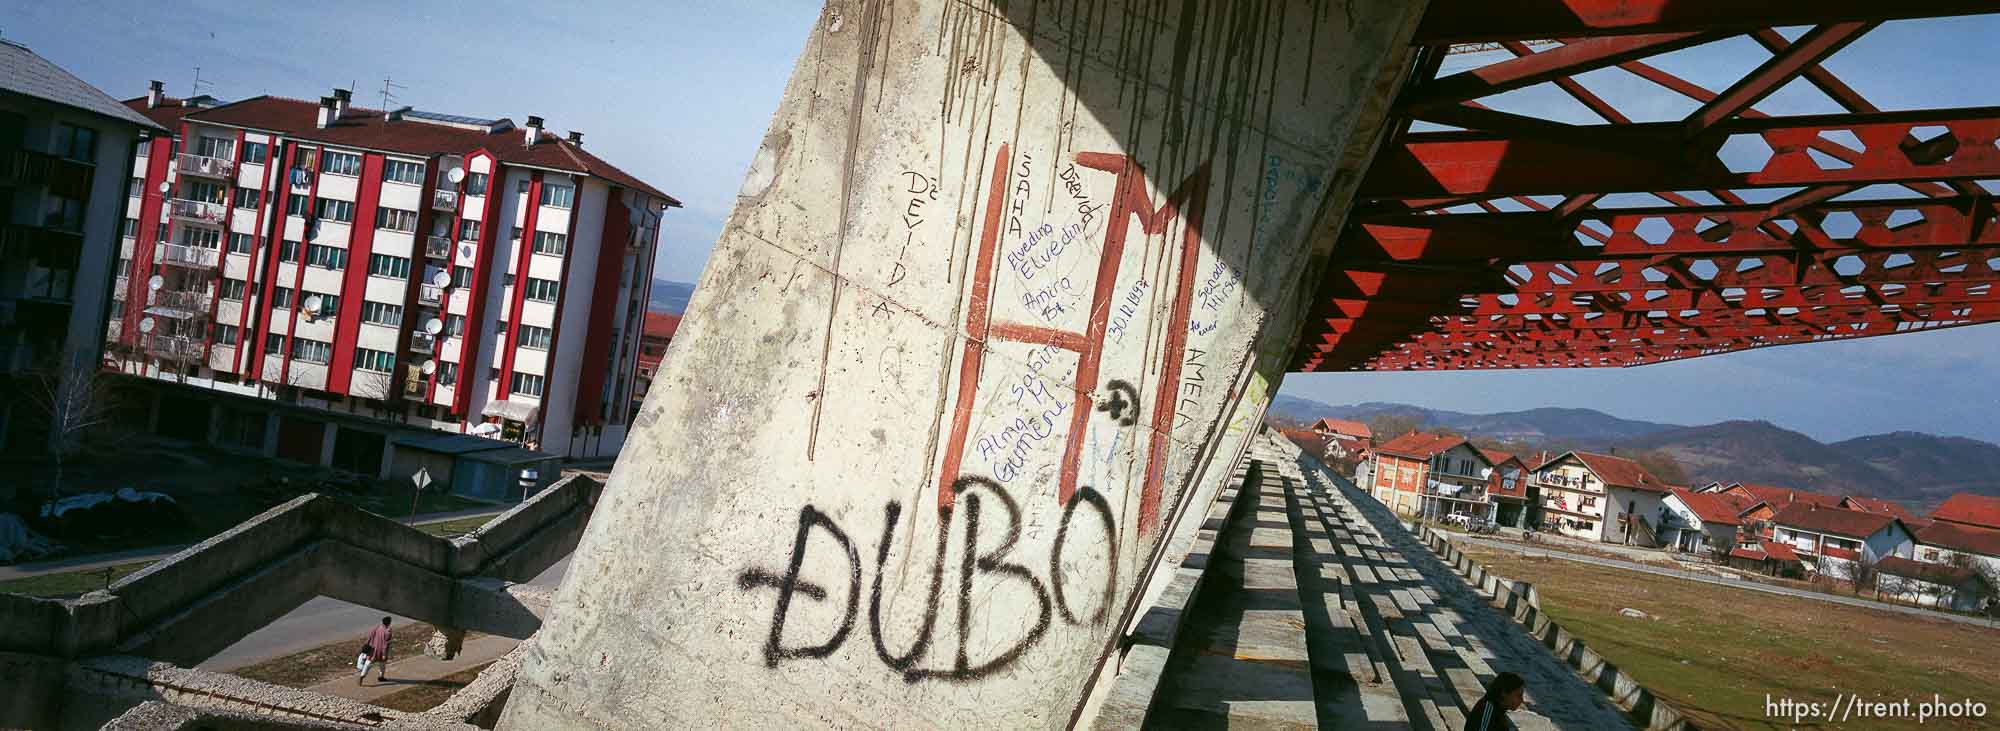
[{"x": 375, "y": 651}]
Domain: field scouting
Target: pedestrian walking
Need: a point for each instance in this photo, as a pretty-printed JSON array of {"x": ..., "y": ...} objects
[
  {"x": 374, "y": 652},
  {"x": 1504, "y": 694}
]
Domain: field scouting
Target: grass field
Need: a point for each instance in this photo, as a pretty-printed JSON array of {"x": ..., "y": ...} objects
[
  {"x": 1717, "y": 651},
  {"x": 428, "y": 695},
  {"x": 334, "y": 659}
]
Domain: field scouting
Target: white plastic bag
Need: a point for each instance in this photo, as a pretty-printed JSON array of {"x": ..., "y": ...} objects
[{"x": 361, "y": 663}]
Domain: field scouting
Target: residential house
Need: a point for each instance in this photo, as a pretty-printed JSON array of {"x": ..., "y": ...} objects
[
  {"x": 1600, "y": 497},
  {"x": 1344, "y": 440},
  {"x": 1765, "y": 556},
  {"x": 1979, "y": 511},
  {"x": 1516, "y": 502},
  {"x": 1702, "y": 522},
  {"x": 1835, "y": 540},
  {"x": 1432, "y": 475},
  {"x": 1344, "y": 428},
  {"x": 1964, "y": 531},
  {"x": 1768, "y": 499},
  {"x": 1957, "y": 588},
  {"x": 655, "y": 335}
]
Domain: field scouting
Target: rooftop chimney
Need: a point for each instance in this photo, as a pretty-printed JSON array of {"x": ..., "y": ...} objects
[
  {"x": 576, "y": 138},
  {"x": 533, "y": 129},
  {"x": 340, "y": 99},
  {"x": 325, "y": 111},
  {"x": 153, "y": 92}
]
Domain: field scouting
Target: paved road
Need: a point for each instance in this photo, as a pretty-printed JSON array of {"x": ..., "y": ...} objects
[
  {"x": 320, "y": 621},
  {"x": 1750, "y": 585},
  {"x": 155, "y": 553}
]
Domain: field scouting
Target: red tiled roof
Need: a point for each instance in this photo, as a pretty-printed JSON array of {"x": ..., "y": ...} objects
[
  {"x": 1970, "y": 509},
  {"x": 1741, "y": 552},
  {"x": 1343, "y": 426},
  {"x": 1779, "y": 551},
  {"x": 1957, "y": 537},
  {"x": 1709, "y": 507},
  {"x": 1847, "y": 523},
  {"x": 1497, "y": 457},
  {"x": 1839, "y": 553},
  {"x": 658, "y": 325},
  {"x": 168, "y": 114},
  {"x": 1420, "y": 445},
  {"x": 1739, "y": 503},
  {"x": 365, "y": 128},
  {"x": 1620, "y": 472},
  {"x": 1778, "y": 497},
  {"x": 1935, "y": 573}
]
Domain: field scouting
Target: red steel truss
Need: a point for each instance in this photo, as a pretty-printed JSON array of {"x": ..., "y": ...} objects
[{"x": 1488, "y": 246}]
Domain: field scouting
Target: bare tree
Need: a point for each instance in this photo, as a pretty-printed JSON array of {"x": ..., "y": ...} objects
[
  {"x": 1862, "y": 572},
  {"x": 69, "y": 398}
]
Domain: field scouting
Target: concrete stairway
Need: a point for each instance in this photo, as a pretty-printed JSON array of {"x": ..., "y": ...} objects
[{"x": 1308, "y": 617}]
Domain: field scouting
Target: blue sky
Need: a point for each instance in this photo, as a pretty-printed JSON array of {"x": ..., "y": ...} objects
[{"x": 680, "y": 94}]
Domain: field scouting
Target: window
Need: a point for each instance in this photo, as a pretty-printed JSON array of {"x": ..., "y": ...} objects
[
  {"x": 274, "y": 343},
  {"x": 63, "y": 213},
  {"x": 131, "y": 228},
  {"x": 527, "y": 384},
  {"x": 381, "y": 313},
  {"x": 247, "y": 197},
  {"x": 202, "y": 190},
  {"x": 254, "y": 153},
  {"x": 475, "y": 184},
  {"x": 325, "y": 257},
  {"x": 454, "y": 326},
  {"x": 215, "y": 147},
  {"x": 240, "y": 243},
  {"x": 135, "y": 188},
  {"x": 329, "y": 304},
  {"x": 468, "y": 230},
  {"x": 395, "y": 219},
  {"x": 296, "y": 205},
  {"x": 335, "y": 210},
  {"x": 226, "y": 334},
  {"x": 144, "y": 148},
  {"x": 535, "y": 338},
  {"x": 374, "y": 360},
  {"x": 232, "y": 289},
  {"x": 542, "y": 290},
  {"x": 281, "y": 298},
  {"x": 551, "y": 243},
  {"x": 288, "y": 251},
  {"x": 558, "y": 196},
  {"x": 461, "y": 276},
  {"x": 206, "y": 238},
  {"x": 447, "y": 374},
  {"x": 340, "y": 163},
  {"x": 523, "y": 187},
  {"x": 403, "y": 171},
  {"x": 78, "y": 143},
  {"x": 311, "y": 351},
  {"x": 386, "y": 265}
]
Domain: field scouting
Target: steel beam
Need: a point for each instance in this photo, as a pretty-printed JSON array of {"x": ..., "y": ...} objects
[{"x": 1471, "y": 21}]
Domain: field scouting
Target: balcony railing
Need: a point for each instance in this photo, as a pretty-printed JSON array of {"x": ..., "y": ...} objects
[
  {"x": 173, "y": 347},
  {"x": 193, "y": 257},
  {"x": 437, "y": 247},
  {"x": 198, "y": 211},
  {"x": 180, "y": 304},
  {"x": 423, "y": 343},
  {"x": 430, "y": 295},
  {"x": 444, "y": 200},
  {"x": 188, "y": 163}
]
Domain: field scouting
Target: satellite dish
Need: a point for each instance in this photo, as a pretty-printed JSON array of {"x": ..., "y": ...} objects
[
  {"x": 155, "y": 282},
  {"x": 429, "y": 367},
  {"x": 434, "y": 326},
  {"x": 146, "y": 325},
  {"x": 484, "y": 429},
  {"x": 166, "y": 186},
  {"x": 455, "y": 175},
  {"x": 441, "y": 278},
  {"x": 465, "y": 251},
  {"x": 312, "y": 303}
]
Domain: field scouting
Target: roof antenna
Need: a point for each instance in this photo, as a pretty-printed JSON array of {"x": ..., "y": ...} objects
[
  {"x": 199, "y": 83},
  {"x": 388, "y": 93}
]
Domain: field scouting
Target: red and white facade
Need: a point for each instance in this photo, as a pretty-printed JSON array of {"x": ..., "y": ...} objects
[{"x": 441, "y": 272}]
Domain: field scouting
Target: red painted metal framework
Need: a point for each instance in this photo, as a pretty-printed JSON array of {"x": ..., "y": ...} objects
[{"x": 1486, "y": 247}]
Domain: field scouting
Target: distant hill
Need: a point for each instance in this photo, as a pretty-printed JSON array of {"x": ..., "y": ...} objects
[
  {"x": 1916, "y": 469},
  {"x": 669, "y": 297}
]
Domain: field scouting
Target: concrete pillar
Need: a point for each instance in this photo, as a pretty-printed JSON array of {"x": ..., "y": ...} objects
[
  {"x": 1006, "y": 288},
  {"x": 388, "y": 457},
  {"x": 326, "y": 440},
  {"x": 270, "y": 447},
  {"x": 445, "y": 643}
]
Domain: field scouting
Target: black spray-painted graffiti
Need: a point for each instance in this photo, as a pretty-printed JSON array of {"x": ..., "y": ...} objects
[
  {"x": 979, "y": 572},
  {"x": 1123, "y": 404}
]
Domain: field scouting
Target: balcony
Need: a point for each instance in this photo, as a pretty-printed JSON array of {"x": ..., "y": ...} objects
[
  {"x": 180, "y": 305},
  {"x": 197, "y": 211},
  {"x": 188, "y": 163},
  {"x": 174, "y": 347},
  {"x": 188, "y": 257},
  {"x": 437, "y": 247},
  {"x": 413, "y": 388},
  {"x": 444, "y": 200},
  {"x": 423, "y": 343},
  {"x": 430, "y": 295}
]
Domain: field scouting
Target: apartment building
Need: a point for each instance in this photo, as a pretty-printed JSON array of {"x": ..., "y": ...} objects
[
  {"x": 1420, "y": 473},
  {"x": 430, "y": 270},
  {"x": 64, "y": 149}
]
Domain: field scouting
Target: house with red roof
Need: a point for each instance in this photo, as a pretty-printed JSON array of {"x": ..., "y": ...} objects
[
  {"x": 1601, "y": 497},
  {"x": 1914, "y": 521},
  {"x": 1515, "y": 499},
  {"x": 1343, "y": 427},
  {"x": 1957, "y": 588},
  {"x": 655, "y": 336},
  {"x": 1421, "y": 473},
  {"x": 1834, "y": 541},
  {"x": 1961, "y": 534},
  {"x": 1980, "y": 511},
  {"x": 1765, "y": 556},
  {"x": 1701, "y": 522}
]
